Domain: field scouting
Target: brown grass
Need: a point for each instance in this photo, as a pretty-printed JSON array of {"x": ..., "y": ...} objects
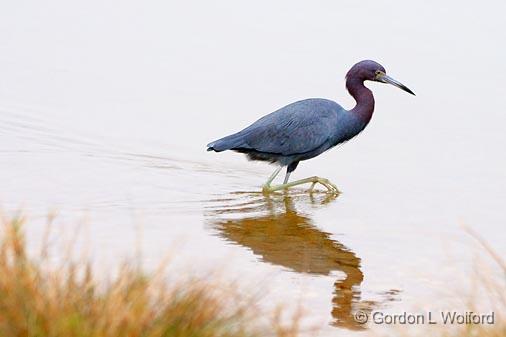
[{"x": 36, "y": 300}]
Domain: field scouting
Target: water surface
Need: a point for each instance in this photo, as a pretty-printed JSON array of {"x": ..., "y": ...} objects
[{"x": 105, "y": 122}]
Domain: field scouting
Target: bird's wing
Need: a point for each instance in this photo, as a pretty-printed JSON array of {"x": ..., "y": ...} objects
[{"x": 297, "y": 128}]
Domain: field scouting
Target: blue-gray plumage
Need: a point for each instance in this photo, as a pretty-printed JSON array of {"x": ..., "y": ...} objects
[
  {"x": 298, "y": 131},
  {"x": 307, "y": 128}
]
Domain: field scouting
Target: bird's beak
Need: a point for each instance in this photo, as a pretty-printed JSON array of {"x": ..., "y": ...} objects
[{"x": 387, "y": 79}]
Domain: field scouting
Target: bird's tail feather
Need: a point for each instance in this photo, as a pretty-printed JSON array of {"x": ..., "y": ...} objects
[{"x": 227, "y": 143}]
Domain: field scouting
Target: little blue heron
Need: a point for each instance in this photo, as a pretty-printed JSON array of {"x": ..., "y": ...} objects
[{"x": 307, "y": 128}]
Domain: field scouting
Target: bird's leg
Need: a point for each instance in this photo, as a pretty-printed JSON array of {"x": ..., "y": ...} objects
[
  {"x": 313, "y": 180},
  {"x": 312, "y": 187},
  {"x": 267, "y": 184},
  {"x": 286, "y": 177}
]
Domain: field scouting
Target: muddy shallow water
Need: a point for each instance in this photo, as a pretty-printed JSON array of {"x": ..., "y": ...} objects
[
  {"x": 376, "y": 247},
  {"x": 106, "y": 125}
]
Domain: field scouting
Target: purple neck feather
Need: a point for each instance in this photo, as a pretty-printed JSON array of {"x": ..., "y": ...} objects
[{"x": 362, "y": 95}]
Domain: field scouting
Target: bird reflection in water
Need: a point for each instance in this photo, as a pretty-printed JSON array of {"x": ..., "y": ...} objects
[{"x": 273, "y": 229}]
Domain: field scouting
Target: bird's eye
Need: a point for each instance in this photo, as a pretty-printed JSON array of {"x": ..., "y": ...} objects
[{"x": 378, "y": 72}]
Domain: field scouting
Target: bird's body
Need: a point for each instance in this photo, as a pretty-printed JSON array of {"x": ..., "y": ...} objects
[
  {"x": 307, "y": 128},
  {"x": 296, "y": 132}
]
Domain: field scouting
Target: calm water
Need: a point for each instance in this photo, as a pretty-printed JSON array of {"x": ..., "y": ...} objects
[{"x": 104, "y": 121}]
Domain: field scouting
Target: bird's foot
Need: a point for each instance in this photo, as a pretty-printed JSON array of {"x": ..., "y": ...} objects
[
  {"x": 331, "y": 188},
  {"x": 266, "y": 189}
]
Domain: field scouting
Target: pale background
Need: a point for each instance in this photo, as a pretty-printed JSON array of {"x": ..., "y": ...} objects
[{"x": 89, "y": 89}]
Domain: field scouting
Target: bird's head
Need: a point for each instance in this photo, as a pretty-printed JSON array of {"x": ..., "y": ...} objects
[{"x": 373, "y": 71}]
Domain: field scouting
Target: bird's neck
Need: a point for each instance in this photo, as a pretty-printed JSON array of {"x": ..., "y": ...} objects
[{"x": 363, "y": 96}]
